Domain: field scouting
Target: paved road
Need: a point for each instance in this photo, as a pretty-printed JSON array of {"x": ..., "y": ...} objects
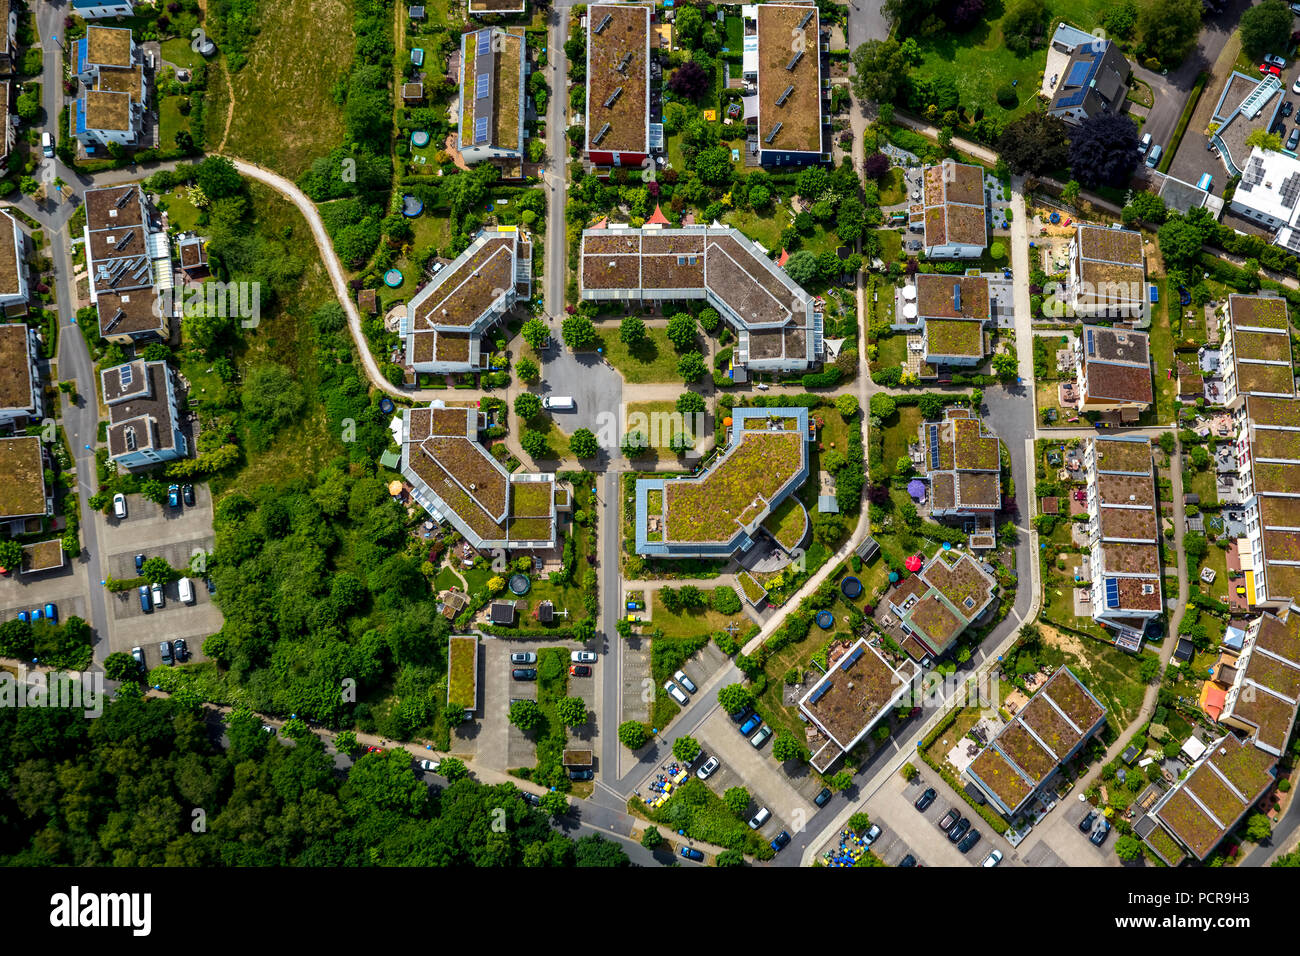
[{"x": 866, "y": 22}]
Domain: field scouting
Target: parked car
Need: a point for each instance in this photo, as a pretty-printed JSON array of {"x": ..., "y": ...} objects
[
  {"x": 583, "y": 657},
  {"x": 993, "y": 859},
  {"x": 969, "y": 841},
  {"x": 174, "y": 496},
  {"x": 692, "y": 854},
  {"x": 760, "y": 738},
  {"x": 1145, "y": 143},
  {"x": 676, "y": 694},
  {"x": 430, "y": 766},
  {"x": 581, "y": 774},
  {"x": 180, "y": 650},
  {"x": 710, "y": 765},
  {"x": 52, "y": 612},
  {"x": 1101, "y": 832},
  {"x": 823, "y": 798},
  {"x": 741, "y": 715},
  {"x": 872, "y": 835},
  {"x": 949, "y": 819},
  {"x": 1295, "y": 87},
  {"x": 145, "y": 604},
  {"x": 165, "y": 650},
  {"x": 36, "y": 614},
  {"x": 908, "y": 860},
  {"x": 579, "y": 670},
  {"x": 686, "y": 682},
  {"x": 187, "y": 494},
  {"x": 958, "y": 830},
  {"x": 1274, "y": 60},
  {"x": 530, "y": 798},
  {"x": 524, "y": 673},
  {"x": 1153, "y": 157},
  {"x": 751, "y": 725},
  {"x": 47, "y": 145},
  {"x": 1294, "y": 139},
  {"x": 1288, "y": 108},
  {"x": 761, "y": 817},
  {"x": 139, "y": 562},
  {"x": 186, "y": 590},
  {"x": 1295, "y": 8},
  {"x": 924, "y": 800},
  {"x": 1086, "y": 823},
  {"x": 156, "y": 592},
  {"x": 119, "y": 503},
  {"x": 523, "y": 657},
  {"x": 138, "y": 654},
  {"x": 780, "y": 841}
]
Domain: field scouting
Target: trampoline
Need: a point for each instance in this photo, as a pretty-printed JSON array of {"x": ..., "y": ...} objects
[
  {"x": 825, "y": 619},
  {"x": 411, "y": 206},
  {"x": 851, "y": 587},
  {"x": 519, "y": 584},
  {"x": 1055, "y": 218},
  {"x": 386, "y": 406},
  {"x": 417, "y": 56},
  {"x": 393, "y": 278},
  {"x": 420, "y": 138}
]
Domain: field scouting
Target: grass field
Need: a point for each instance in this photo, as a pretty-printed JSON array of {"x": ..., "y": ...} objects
[
  {"x": 180, "y": 211},
  {"x": 661, "y": 419},
  {"x": 978, "y": 61},
  {"x": 429, "y": 230},
  {"x": 285, "y": 337},
  {"x": 284, "y": 116},
  {"x": 1111, "y": 674},
  {"x": 653, "y": 361},
  {"x": 893, "y": 190},
  {"x": 897, "y": 436},
  {"x": 170, "y": 120},
  {"x": 691, "y": 623},
  {"x": 177, "y": 50}
]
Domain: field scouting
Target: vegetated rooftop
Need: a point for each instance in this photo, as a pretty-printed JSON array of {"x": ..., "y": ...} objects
[
  {"x": 853, "y": 694},
  {"x": 780, "y": 66},
  {"x": 628, "y": 31},
  {"x": 1110, "y": 245},
  {"x": 708, "y": 509},
  {"x": 462, "y": 671},
  {"x": 1123, "y": 455},
  {"x": 952, "y": 297},
  {"x": 1245, "y": 767},
  {"x": 954, "y": 337},
  {"x": 1257, "y": 311},
  {"x": 22, "y": 490},
  {"x": 15, "y": 363}
]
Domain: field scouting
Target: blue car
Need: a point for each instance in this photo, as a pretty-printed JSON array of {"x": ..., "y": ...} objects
[
  {"x": 145, "y": 605},
  {"x": 692, "y": 854},
  {"x": 52, "y": 613},
  {"x": 750, "y": 725},
  {"x": 174, "y": 496}
]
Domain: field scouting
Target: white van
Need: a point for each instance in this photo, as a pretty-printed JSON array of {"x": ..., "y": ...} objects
[
  {"x": 761, "y": 817},
  {"x": 1145, "y": 144},
  {"x": 47, "y": 144},
  {"x": 186, "y": 590},
  {"x": 562, "y": 403}
]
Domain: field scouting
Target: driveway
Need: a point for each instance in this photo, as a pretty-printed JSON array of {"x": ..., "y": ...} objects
[
  {"x": 895, "y": 802},
  {"x": 595, "y": 386},
  {"x": 1059, "y": 833}
]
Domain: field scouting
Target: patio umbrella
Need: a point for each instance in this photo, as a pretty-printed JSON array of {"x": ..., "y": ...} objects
[
  {"x": 947, "y": 546},
  {"x": 893, "y": 577},
  {"x": 913, "y": 563},
  {"x": 916, "y": 488}
]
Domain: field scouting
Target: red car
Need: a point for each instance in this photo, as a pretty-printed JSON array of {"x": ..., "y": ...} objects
[{"x": 579, "y": 670}]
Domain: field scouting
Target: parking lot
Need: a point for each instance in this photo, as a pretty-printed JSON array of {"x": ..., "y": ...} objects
[
  {"x": 176, "y": 535},
  {"x": 924, "y": 840},
  {"x": 65, "y": 588},
  {"x": 1057, "y": 837}
]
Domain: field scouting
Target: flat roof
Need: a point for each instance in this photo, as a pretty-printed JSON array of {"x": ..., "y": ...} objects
[
  {"x": 625, "y": 42},
  {"x": 144, "y": 418},
  {"x": 22, "y": 492},
  {"x": 854, "y": 694},
  {"x": 954, "y": 205},
  {"x": 951, "y": 297},
  {"x": 11, "y": 264},
  {"x": 498, "y": 98},
  {"x": 108, "y": 46},
  {"x": 789, "y": 58},
  {"x": 1117, "y": 365},
  {"x": 106, "y": 110},
  {"x": 15, "y": 365},
  {"x": 1208, "y": 803}
]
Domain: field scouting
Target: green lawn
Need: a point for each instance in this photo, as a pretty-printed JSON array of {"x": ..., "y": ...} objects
[
  {"x": 430, "y": 230},
  {"x": 177, "y": 50},
  {"x": 764, "y": 229},
  {"x": 170, "y": 120},
  {"x": 893, "y": 189},
  {"x": 978, "y": 61},
  {"x": 892, "y": 351},
  {"x": 691, "y": 623},
  {"x": 180, "y": 211},
  {"x": 1201, "y": 483},
  {"x": 661, "y": 420},
  {"x": 900, "y": 432},
  {"x": 1111, "y": 675},
  {"x": 1162, "y": 353},
  {"x": 653, "y": 361}
]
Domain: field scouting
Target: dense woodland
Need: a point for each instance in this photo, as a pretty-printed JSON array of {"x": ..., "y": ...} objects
[{"x": 147, "y": 785}]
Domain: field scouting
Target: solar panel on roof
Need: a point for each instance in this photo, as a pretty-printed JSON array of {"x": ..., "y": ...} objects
[
  {"x": 1112, "y": 592},
  {"x": 481, "y": 130},
  {"x": 1091, "y": 349},
  {"x": 934, "y": 446},
  {"x": 1290, "y": 189},
  {"x": 819, "y": 693},
  {"x": 484, "y": 42},
  {"x": 851, "y": 659},
  {"x": 798, "y": 55},
  {"x": 481, "y": 86},
  {"x": 1079, "y": 73},
  {"x": 806, "y": 17},
  {"x": 126, "y": 375},
  {"x": 1292, "y": 240}
]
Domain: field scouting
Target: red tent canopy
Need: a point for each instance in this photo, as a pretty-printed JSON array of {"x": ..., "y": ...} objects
[
  {"x": 913, "y": 563},
  {"x": 658, "y": 218}
]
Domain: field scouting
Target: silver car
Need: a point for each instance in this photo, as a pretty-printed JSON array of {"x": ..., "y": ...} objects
[
  {"x": 685, "y": 681},
  {"x": 710, "y": 765},
  {"x": 676, "y": 694},
  {"x": 523, "y": 657},
  {"x": 583, "y": 657}
]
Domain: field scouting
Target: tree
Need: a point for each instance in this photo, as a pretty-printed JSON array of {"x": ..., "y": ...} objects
[
  {"x": 652, "y": 839},
  {"x": 803, "y": 267},
  {"x": 882, "y": 406},
  {"x": 689, "y": 81},
  {"x": 496, "y": 584},
  {"x": 11, "y": 554},
  {"x": 1070, "y": 192},
  {"x": 527, "y": 406},
  {"x": 841, "y": 781},
  {"x": 686, "y": 749},
  {"x": 583, "y": 444},
  {"x": 1167, "y": 29},
  {"x": 736, "y": 858},
  {"x": 691, "y": 367},
  {"x": 859, "y": 823},
  {"x": 554, "y": 803},
  {"x": 689, "y": 26},
  {"x": 527, "y": 371},
  {"x": 595, "y": 850},
  {"x": 1180, "y": 243},
  {"x": 632, "y": 734},
  {"x": 1021, "y": 24},
  {"x": 1144, "y": 206},
  {"x": 1005, "y": 366},
  {"x": 1035, "y": 143},
  {"x": 1266, "y": 28},
  {"x": 735, "y": 697},
  {"x": 880, "y": 68},
  {"x": 691, "y": 403},
  {"x": 1149, "y": 669},
  {"x": 786, "y": 747},
  {"x": 631, "y": 331},
  {"x": 736, "y": 800},
  {"x": 682, "y": 331},
  {"x": 453, "y": 768},
  {"x": 1103, "y": 149},
  {"x": 634, "y": 443},
  {"x": 847, "y": 405},
  {"x": 578, "y": 332},
  {"x": 1258, "y": 828},
  {"x": 156, "y": 570},
  {"x": 1128, "y": 848},
  {"x": 121, "y": 666},
  {"x": 534, "y": 442},
  {"x": 218, "y": 178},
  {"x": 1265, "y": 140},
  {"x": 525, "y": 714},
  {"x": 572, "y": 711},
  {"x": 345, "y": 742},
  {"x": 535, "y": 333},
  {"x": 271, "y": 395}
]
